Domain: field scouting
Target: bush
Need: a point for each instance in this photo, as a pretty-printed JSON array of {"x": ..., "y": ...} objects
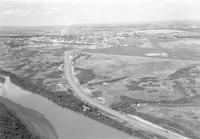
[
  {"x": 11, "y": 127},
  {"x": 68, "y": 100},
  {"x": 2, "y": 79}
]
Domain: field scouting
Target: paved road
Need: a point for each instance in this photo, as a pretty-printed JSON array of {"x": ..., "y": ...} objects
[{"x": 132, "y": 120}]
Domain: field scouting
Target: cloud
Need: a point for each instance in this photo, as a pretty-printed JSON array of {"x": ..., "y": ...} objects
[
  {"x": 33, "y": 1},
  {"x": 15, "y": 12},
  {"x": 9, "y": 8},
  {"x": 51, "y": 11},
  {"x": 97, "y": 11}
]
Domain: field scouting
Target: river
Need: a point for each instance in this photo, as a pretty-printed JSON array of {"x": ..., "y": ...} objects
[{"x": 68, "y": 124}]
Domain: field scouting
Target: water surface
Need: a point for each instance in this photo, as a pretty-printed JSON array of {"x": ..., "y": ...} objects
[{"x": 68, "y": 124}]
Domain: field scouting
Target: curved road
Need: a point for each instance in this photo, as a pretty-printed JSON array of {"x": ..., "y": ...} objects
[{"x": 135, "y": 121}]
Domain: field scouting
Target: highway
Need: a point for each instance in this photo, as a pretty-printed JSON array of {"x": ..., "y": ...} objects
[{"x": 133, "y": 120}]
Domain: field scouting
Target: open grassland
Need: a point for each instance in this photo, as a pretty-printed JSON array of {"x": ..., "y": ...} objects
[
  {"x": 145, "y": 86},
  {"x": 185, "y": 118},
  {"x": 140, "y": 78},
  {"x": 40, "y": 65},
  {"x": 174, "y": 119},
  {"x": 40, "y": 71},
  {"x": 155, "y": 75},
  {"x": 161, "y": 43}
]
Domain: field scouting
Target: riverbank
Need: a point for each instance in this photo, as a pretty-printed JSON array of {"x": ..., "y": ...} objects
[
  {"x": 18, "y": 122},
  {"x": 69, "y": 101},
  {"x": 66, "y": 122}
]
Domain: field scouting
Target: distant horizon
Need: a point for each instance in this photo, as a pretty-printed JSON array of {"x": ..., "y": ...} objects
[
  {"x": 114, "y": 23},
  {"x": 73, "y": 12}
]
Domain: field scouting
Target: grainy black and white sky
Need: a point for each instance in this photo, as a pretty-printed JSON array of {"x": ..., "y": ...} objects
[{"x": 66, "y": 12}]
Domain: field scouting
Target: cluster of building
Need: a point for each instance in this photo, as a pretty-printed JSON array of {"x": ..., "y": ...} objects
[{"x": 81, "y": 39}]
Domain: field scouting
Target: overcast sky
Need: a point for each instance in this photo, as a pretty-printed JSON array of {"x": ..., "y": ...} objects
[{"x": 66, "y": 12}]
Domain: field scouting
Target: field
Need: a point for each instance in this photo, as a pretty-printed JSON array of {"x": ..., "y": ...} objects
[
  {"x": 41, "y": 66},
  {"x": 164, "y": 43},
  {"x": 141, "y": 78},
  {"x": 160, "y": 83},
  {"x": 40, "y": 70},
  {"x": 128, "y": 82},
  {"x": 151, "y": 71},
  {"x": 183, "y": 119}
]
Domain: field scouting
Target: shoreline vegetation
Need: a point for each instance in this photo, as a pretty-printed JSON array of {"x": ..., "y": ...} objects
[
  {"x": 18, "y": 122},
  {"x": 68, "y": 100},
  {"x": 11, "y": 126},
  {"x": 2, "y": 79}
]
